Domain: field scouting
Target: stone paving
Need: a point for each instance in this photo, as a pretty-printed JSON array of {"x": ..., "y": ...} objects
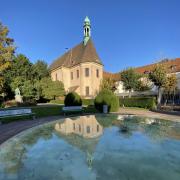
[
  {"x": 13, "y": 128},
  {"x": 147, "y": 113}
]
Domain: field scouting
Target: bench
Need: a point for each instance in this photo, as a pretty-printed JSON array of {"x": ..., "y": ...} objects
[
  {"x": 70, "y": 109},
  {"x": 8, "y": 113}
]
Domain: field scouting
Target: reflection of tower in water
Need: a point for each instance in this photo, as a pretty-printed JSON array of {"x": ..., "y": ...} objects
[{"x": 83, "y": 132}]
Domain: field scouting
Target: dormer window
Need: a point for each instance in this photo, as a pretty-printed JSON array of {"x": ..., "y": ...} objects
[
  {"x": 173, "y": 67},
  {"x": 146, "y": 72}
]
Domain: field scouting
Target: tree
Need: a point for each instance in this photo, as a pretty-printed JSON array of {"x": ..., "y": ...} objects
[
  {"x": 107, "y": 84},
  {"x": 7, "y": 49},
  {"x": 159, "y": 77},
  {"x": 130, "y": 79},
  {"x": 144, "y": 84},
  {"x": 19, "y": 72},
  {"x": 170, "y": 85},
  {"x": 51, "y": 89},
  {"x": 40, "y": 70}
]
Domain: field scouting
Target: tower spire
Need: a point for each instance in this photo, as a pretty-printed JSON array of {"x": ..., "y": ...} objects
[{"x": 87, "y": 30}]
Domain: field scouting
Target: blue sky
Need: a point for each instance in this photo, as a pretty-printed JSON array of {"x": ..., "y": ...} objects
[{"x": 125, "y": 32}]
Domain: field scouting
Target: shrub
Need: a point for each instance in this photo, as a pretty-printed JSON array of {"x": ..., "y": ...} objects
[
  {"x": 141, "y": 102},
  {"x": 72, "y": 99},
  {"x": 106, "y": 97}
]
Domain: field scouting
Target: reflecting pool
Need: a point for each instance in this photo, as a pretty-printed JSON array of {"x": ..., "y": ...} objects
[{"x": 92, "y": 147}]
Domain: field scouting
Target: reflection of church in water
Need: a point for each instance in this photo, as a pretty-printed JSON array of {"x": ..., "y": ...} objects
[
  {"x": 85, "y": 126},
  {"x": 83, "y": 133}
]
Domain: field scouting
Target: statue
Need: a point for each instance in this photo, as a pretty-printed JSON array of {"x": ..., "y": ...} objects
[{"x": 18, "y": 97}]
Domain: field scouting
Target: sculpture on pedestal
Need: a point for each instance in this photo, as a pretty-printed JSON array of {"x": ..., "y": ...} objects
[{"x": 18, "y": 97}]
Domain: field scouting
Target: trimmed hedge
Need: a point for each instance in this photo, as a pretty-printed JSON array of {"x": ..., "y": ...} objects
[
  {"x": 72, "y": 99},
  {"x": 106, "y": 97},
  {"x": 86, "y": 102},
  {"x": 141, "y": 102}
]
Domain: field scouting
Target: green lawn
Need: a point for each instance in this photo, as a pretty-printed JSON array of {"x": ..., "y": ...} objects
[{"x": 45, "y": 111}]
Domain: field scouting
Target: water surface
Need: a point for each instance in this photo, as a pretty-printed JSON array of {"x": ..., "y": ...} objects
[{"x": 94, "y": 147}]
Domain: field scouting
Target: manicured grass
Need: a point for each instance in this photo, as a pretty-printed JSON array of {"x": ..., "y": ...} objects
[
  {"x": 90, "y": 109},
  {"x": 18, "y": 118},
  {"x": 45, "y": 111}
]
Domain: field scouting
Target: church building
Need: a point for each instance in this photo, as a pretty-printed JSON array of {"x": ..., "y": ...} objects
[{"x": 80, "y": 69}]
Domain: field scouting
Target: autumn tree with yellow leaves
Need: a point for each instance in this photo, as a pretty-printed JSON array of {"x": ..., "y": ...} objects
[{"x": 7, "y": 49}]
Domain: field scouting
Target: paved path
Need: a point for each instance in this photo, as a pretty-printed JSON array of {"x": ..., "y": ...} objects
[
  {"x": 147, "y": 113},
  {"x": 13, "y": 128}
]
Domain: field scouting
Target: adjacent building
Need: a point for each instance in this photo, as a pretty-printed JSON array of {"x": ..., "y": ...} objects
[
  {"x": 80, "y": 69},
  {"x": 173, "y": 67}
]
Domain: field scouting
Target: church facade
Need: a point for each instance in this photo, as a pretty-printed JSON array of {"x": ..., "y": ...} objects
[{"x": 80, "y": 69}]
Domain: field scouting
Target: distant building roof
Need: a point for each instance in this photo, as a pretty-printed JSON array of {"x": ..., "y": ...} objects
[
  {"x": 173, "y": 66},
  {"x": 114, "y": 76},
  {"x": 79, "y": 54}
]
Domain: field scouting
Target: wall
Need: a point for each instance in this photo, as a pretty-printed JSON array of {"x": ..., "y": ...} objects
[{"x": 92, "y": 81}]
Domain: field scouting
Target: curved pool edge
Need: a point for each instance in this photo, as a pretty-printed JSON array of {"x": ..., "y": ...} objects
[
  {"x": 57, "y": 118},
  {"x": 37, "y": 122}
]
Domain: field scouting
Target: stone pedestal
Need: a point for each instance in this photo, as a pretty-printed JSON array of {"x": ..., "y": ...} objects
[{"x": 18, "y": 98}]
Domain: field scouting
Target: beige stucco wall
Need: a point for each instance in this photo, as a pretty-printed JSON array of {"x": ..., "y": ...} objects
[{"x": 92, "y": 81}]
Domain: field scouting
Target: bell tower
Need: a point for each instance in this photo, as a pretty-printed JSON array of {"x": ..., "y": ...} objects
[{"x": 87, "y": 30}]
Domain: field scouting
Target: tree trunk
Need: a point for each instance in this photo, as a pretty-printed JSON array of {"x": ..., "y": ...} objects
[
  {"x": 129, "y": 93},
  {"x": 165, "y": 101},
  {"x": 159, "y": 97},
  {"x": 173, "y": 96}
]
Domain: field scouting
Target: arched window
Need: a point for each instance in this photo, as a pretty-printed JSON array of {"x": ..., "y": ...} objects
[{"x": 56, "y": 77}]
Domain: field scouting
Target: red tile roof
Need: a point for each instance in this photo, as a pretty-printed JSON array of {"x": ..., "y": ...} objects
[
  {"x": 173, "y": 66},
  {"x": 79, "y": 54},
  {"x": 114, "y": 76}
]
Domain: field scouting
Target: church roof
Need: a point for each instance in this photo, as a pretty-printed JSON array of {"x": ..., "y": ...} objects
[{"x": 79, "y": 54}]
